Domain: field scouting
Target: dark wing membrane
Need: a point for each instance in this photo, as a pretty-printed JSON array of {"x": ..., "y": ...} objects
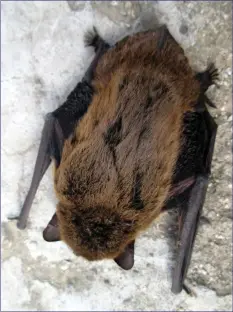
[
  {"x": 194, "y": 161},
  {"x": 68, "y": 115},
  {"x": 43, "y": 161},
  {"x": 58, "y": 126}
]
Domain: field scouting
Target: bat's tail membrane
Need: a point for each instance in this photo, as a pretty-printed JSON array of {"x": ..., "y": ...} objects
[{"x": 42, "y": 163}]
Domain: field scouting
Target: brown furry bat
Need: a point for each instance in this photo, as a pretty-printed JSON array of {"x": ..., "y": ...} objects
[
  {"x": 131, "y": 153},
  {"x": 116, "y": 170}
]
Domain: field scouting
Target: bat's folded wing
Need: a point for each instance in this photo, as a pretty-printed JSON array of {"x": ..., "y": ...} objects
[
  {"x": 42, "y": 163},
  {"x": 191, "y": 211}
]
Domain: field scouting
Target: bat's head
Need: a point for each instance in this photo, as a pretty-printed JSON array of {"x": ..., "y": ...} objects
[
  {"x": 92, "y": 220},
  {"x": 94, "y": 232}
]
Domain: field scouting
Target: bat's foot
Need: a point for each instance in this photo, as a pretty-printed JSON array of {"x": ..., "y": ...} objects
[
  {"x": 208, "y": 77},
  {"x": 211, "y": 74},
  {"x": 93, "y": 39}
]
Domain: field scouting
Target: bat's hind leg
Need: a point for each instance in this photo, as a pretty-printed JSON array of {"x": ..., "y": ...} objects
[
  {"x": 92, "y": 38},
  {"x": 206, "y": 78}
]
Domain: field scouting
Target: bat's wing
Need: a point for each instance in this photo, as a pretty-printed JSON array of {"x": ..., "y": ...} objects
[
  {"x": 48, "y": 139},
  {"x": 58, "y": 126},
  {"x": 190, "y": 211}
]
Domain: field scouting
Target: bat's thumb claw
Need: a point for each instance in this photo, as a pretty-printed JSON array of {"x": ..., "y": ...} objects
[{"x": 13, "y": 218}]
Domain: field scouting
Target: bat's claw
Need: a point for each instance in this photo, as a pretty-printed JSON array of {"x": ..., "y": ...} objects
[
  {"x": 189, "y": 291},
  {"x": 209, "y": 102},
  {"x": 212, "y": 72},
  {"x": 202, "y": 102},
  {"x": 92, "y": 38},
  {"x": 13, "y": 218},
  {"x": 208, "y": 77}
]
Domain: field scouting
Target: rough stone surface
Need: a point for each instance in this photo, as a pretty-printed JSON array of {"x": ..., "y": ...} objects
[
  {"x": 76, "y": 5},
  {"x": 43, "y": 57},
  {"x": 120, "y": 12}
]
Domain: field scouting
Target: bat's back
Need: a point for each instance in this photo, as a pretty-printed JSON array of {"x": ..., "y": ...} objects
[{"x": 117, "y": 169}]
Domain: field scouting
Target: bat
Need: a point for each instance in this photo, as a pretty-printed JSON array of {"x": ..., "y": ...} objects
[{"x": 134, "y": 139}]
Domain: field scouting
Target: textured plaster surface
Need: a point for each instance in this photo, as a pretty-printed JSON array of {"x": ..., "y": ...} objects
[{"x": 43, "y": 57}]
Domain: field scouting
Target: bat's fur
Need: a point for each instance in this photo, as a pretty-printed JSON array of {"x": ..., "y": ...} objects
[{"x": 116, "y": 169}]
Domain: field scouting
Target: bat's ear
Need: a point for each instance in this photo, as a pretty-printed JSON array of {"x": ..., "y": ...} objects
[
  {"x": 51, "y": 232},
  {"x": 126, "y": 259}
]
